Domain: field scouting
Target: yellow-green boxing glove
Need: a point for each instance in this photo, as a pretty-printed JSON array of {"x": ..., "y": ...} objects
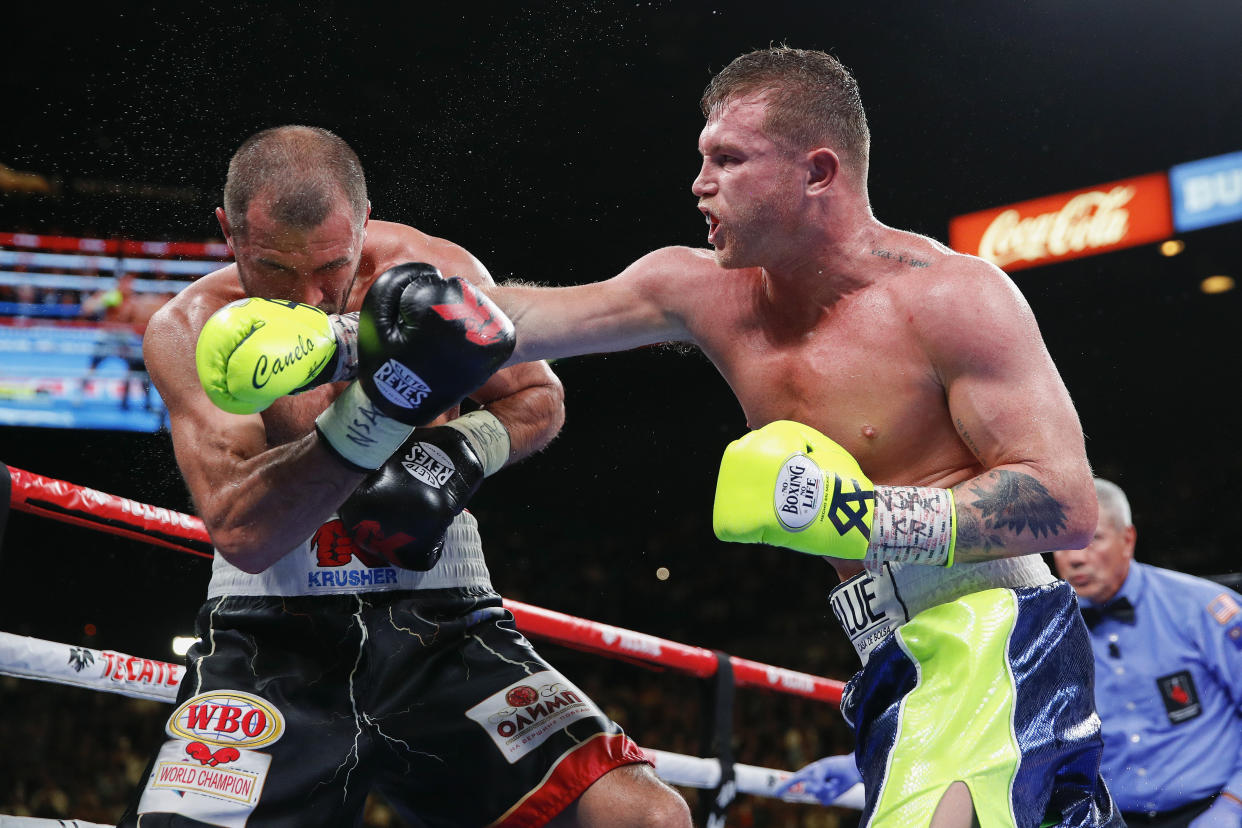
[
  {"x": 254, "y": 351},
  {"x": 788, "y": 485}
]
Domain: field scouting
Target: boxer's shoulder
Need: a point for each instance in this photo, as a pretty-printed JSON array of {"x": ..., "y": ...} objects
[
  {"x": 937, "y": 290},
  {"x": 389, "y": 244},
  {"x": 686, "y": 278},
  {"x": 930, "y": 267},
  {"x": 677, "y": 262},
  {"x": 194, "y": 305}
]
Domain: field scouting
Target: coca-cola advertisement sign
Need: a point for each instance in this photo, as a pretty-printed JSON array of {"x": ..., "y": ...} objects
[{"x": 1054, "y": 228}]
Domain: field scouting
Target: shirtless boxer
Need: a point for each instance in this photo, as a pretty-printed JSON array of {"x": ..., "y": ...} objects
[
  {"x": 955, "y": 451},
  {"x": 349, "y": 643}
]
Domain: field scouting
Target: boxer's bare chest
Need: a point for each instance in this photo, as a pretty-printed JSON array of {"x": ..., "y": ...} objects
[{"x": 855, "y": 372}]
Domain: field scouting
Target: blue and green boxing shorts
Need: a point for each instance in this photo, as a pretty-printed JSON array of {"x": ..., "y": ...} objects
[{"x": 994, "y": 689}]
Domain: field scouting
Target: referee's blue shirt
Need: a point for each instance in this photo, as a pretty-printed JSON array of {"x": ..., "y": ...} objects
[{"x": 1169, "y": 691}]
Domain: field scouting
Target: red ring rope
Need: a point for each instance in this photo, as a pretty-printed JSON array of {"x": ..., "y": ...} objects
[{"x": 70, "y": 503}]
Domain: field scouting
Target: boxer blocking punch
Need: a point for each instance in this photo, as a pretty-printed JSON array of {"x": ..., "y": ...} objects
[{"x": 352, "y": 599}]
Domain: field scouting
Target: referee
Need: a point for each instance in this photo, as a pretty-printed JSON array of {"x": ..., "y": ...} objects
[{"x": 1168, "y": 678}]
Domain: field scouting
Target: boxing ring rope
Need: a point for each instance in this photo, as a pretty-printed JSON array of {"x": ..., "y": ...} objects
[{"x": 105, "y": 670}]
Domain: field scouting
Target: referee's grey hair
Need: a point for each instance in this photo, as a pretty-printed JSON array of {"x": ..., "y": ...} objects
[{"x": 1113, "y": 503}]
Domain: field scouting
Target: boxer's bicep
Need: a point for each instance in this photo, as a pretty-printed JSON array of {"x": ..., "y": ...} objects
[
  {"x": 1005, "y": 395},
  {"x": 258, "y": 499},
  {"x": 1011, "y": 408}
]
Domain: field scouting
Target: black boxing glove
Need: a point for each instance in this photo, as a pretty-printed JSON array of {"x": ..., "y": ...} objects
[
  {"x": 402, "y": 510},
  {"x": 424, "y": 343}
]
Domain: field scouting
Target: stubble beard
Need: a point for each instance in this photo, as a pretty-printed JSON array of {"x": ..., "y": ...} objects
[{"x": 735, "y": 253}]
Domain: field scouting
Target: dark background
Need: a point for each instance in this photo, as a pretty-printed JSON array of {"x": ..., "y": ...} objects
[{"x": 556, "y": 141}]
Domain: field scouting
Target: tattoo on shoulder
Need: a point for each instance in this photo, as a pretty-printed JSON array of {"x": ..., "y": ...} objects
[
  {"x": 1007, "y": 501},
  {"x": 900, "y": 258}
]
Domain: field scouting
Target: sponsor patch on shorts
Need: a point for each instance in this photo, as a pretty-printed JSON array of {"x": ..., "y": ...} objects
[
  {"x": 1181, "y": 699},
  {"x": 219, "y": 786},
  {"x": 868, "y": 608},
  {"x": 523, "y": 715}
]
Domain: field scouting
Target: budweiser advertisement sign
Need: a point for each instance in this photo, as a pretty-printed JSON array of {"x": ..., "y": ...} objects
[{"x": 1070, "y": 225}]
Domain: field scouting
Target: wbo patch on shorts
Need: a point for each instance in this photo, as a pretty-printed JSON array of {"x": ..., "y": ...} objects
[
  {"x": 1181, "y": 699},
  {"x": 227, "y": 718},
  {"x": 522, "y": 716},
  {"x": 209, "y": 770}
]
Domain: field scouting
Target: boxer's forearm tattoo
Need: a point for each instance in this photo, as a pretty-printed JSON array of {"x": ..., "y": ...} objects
[
  {"x": 971, "y": 535},
  {"x": 1007, "y": 501},
  {"x": 901, "y": 258},
  {"x": 966, "y": 438}
]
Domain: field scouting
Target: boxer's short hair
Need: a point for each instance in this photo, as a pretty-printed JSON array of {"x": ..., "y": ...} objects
[
  {"x": 813, "y": 100},
  {"x": 304, "y": 170}
]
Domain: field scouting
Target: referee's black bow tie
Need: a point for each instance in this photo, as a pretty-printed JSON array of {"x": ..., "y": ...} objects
[{"x": 1121, "y": 609}]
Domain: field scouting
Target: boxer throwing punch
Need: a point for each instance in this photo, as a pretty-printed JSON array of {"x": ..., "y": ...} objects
[
  {"x": 351, "y": 640},
  {"x": 910, "y": 427}
]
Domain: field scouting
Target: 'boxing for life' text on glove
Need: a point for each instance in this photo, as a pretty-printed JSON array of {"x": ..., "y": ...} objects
[{"x": 788, "y": 485}]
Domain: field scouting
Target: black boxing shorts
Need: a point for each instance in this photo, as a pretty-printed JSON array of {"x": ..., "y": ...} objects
[{"x": 293, "y": 709}]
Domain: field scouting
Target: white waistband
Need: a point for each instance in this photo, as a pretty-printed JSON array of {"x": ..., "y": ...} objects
[
  {"x": 300, "y": 572},
  {"x": 872, "y": 604}
]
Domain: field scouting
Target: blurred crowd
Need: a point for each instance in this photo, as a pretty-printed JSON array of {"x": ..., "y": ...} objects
[{"x": 115, "y": 300}]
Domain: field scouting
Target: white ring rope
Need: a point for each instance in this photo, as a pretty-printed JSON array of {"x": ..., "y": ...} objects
[{"x": 143, "y": 678}]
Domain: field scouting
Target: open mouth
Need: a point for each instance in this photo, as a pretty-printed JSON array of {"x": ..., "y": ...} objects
[{"x": 713, "y": 225}]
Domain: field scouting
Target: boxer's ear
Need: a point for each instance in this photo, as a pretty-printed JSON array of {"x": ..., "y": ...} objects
[{"x": 823, "y": 166}]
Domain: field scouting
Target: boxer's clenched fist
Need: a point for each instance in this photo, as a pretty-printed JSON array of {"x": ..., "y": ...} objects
[
  {"x": 788, "y": 485},
  {"x": 424, "y": 343},
  {"x": 403, "y": 509}
]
